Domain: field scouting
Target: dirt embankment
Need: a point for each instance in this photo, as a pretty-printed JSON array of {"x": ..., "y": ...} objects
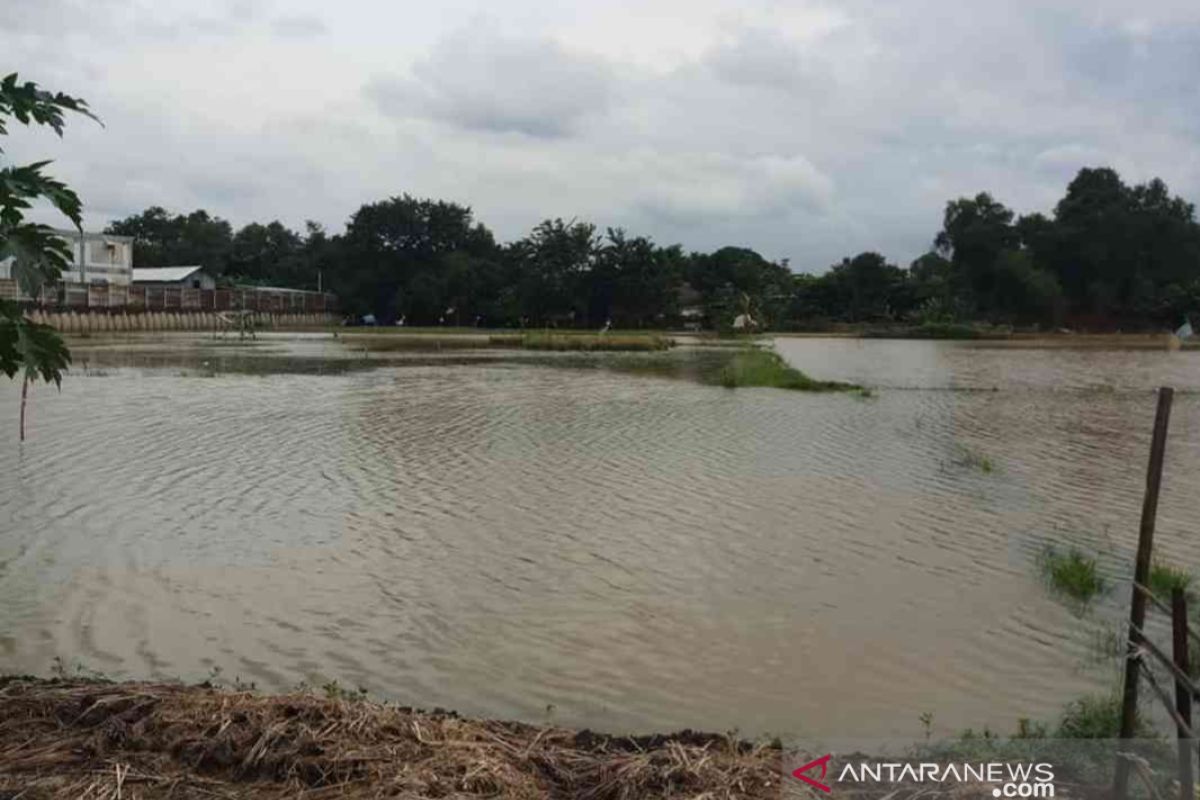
[{"x": 152, "y": 740}]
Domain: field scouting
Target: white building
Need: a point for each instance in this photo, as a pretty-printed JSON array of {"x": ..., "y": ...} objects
[{"x": 106, "y": 259}]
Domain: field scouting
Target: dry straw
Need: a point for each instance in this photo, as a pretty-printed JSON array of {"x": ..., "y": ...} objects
[{"x": 142, "y": 740}]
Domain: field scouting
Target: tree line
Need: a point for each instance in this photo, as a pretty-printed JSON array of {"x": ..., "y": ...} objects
[{"x": 1109, "y": 255}]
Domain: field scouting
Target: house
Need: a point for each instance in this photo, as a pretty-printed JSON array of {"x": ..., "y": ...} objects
[
  {"x": 174, "y": 277},
  {"x": 106, "y": 259}
]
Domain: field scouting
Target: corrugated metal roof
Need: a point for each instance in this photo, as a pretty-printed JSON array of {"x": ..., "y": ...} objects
[{"x": 163, "y": 274}]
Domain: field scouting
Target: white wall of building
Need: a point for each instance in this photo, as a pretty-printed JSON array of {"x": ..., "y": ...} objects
[{"x": 106, "y": 259}]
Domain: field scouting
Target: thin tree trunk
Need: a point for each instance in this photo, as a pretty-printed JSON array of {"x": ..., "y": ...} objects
[{"x": 24, "y": 395}]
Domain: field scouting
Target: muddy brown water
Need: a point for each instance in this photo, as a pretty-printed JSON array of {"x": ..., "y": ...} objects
[{"x": 521, "y": 538}]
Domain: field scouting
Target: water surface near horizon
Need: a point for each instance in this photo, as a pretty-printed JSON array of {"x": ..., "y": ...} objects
[{"x": 488, "y": 533}]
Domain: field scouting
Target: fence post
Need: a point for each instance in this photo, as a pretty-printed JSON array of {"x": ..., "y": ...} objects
[
  {"x": 1141, "y": 575},
  {"x": 1183, "y": 694}
]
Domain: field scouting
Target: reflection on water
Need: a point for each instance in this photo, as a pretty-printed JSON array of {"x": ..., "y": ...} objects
[{"x": 481, "y": 532}]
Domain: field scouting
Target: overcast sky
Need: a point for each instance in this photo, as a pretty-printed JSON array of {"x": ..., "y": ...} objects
[{"x": 806, "y": 130}]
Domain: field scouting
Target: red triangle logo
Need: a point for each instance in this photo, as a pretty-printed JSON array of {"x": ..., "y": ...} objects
[{"x": 823, "y": 763}]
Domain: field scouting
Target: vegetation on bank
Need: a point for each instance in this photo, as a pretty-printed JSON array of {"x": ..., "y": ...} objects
[
  {"x": 81, "y": 738},
  {"x": 583, "y": 342}
]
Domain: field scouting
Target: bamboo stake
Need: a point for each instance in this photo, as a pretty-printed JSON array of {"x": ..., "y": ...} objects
[
  {"x": 1141, "y": 575},
  {"x": 1166, "y": 609},
  {"x": 24, "y": 398},
  {"x": 1183, "y": 695}
]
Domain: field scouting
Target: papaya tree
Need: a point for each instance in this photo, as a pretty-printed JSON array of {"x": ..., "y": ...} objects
[{"x": 36, "y": 254}]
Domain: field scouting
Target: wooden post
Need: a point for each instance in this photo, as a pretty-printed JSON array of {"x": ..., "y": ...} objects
[
  {"x": 1141, "y": 575},
  {"x": 24, "y": 397},
  {"x": 1183, "y": 693}
]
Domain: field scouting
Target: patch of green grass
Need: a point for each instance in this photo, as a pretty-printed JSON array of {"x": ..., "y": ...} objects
[
  {"x": 1073, "y": 574},
  {"x": 1095, "y": 716},
  {"x": 974, "y": 459},
  {"x": 752, "y": 367},
  {"x": 1165, "y": 579},
  {"x": 583, "y": 342}
]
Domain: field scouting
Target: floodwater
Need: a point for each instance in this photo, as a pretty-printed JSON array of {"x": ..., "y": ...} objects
[{"x": 521, "y": 538}]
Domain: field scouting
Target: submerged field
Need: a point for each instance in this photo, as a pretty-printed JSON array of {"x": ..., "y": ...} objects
[{"x": 587, "y": 539}]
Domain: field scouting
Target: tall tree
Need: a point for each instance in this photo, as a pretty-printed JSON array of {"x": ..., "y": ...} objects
[
  {"x": 633, "y": 282},
  {"x": 975, "y": 231},
  {"x": 393, "y": 256},
  {"x": 266, "y": 254},
  {"x": 869, "y": 288},
  {"x": 1115, "y": 248},
  {"x": 551, "y": 265}
]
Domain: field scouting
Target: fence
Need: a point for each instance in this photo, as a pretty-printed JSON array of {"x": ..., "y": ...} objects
[
  {"x": 81, "y": 296},
  {"x": 1141, "y": 649}
]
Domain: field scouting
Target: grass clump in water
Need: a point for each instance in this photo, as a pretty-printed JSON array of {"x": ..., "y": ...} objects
[
  {"x": 1073, "y": 574},
  {"x": 584, "y": 342},
  {"x": 767, "y": 368},
  {"x": 974, "y": 459},
  {"x": 1165, "y": 578}
]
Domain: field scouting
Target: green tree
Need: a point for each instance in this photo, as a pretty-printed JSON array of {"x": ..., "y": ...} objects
[
  {"x": 733, "y": 280},
  {"x": 633, "y": 282},
  {"x": 551, "y": 265},
  {"x": 930, "y": 278},
  {"x": 392, "y": 260},
  {"x": 270, "y": 254},
  {"x": 37, "y": 254},
  {"x": 1114, "y": 248},
  {"x": 869, "y": 288},
  {"x": 975, "y": 231}
]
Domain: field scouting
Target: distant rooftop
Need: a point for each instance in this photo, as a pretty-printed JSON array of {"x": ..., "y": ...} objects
[{"x": 163, "y": 274}]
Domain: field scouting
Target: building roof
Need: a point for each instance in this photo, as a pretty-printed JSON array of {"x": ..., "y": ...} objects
[{"x": 163, "y": 274}]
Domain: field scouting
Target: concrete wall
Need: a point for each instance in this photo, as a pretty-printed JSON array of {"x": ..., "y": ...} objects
[{"x": 74, "y": 322}]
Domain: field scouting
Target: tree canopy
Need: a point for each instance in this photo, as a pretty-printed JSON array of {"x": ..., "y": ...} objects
[{"x": 1107, "y": 255}]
